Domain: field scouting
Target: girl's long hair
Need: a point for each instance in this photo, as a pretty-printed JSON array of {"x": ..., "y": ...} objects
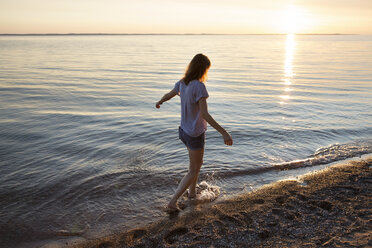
[{"x": 197, "y": 68}]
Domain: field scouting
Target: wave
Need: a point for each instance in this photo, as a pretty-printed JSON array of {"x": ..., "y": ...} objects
[
  {"x": 330, "y": 154},
  {"x": 324, "y": 155}
]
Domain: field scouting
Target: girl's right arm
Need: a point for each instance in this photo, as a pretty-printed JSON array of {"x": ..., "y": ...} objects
[
  {"x": 165, "y": 98},
  {"x": 203, "y": 106}
]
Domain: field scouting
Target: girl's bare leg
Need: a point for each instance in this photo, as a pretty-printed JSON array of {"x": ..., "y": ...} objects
[
  {"x": 192, "y": 188},
  {"x": 196, "y": 161}
]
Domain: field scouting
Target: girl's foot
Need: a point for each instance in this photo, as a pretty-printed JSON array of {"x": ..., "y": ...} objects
[
  {"x": 191, "y": 195},
  {"x": 172, "y": 208}
]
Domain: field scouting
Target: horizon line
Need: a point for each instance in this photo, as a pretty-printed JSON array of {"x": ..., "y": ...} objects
[{"x": 46, "y": 34}]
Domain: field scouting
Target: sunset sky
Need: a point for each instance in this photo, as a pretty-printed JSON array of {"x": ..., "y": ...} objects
[{"x": 181, "y": 16}]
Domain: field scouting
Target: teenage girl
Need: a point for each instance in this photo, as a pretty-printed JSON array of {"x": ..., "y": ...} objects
[{"x": 194, "y": 117}]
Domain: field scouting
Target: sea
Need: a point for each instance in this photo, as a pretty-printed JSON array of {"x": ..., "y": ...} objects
[{"x": 85, "y": 153}]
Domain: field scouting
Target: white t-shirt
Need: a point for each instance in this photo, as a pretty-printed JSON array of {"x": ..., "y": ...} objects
[{"x": 191, "y": 121}]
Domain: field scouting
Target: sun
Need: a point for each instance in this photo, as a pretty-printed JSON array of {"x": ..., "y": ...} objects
[{"x": 294, "y": 20}]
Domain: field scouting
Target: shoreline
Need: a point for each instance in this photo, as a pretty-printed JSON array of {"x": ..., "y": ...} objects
[{"x": 328, "y": 208}]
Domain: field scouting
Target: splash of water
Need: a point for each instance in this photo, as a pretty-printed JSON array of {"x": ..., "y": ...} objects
[{"x": 207, "y": 192}]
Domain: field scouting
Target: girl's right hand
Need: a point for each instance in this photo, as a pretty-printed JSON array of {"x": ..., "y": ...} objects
[{"x": 227, "y": 139}]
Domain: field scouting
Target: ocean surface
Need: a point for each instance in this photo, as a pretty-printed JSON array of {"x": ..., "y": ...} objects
[{"x": 84, "y": 152}]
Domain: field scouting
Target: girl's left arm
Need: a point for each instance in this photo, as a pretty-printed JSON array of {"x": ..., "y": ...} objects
[{"x": 166, "y": 97}]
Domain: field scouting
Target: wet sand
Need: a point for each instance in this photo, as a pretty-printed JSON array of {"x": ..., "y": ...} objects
[{"x": 330, "y": 208}]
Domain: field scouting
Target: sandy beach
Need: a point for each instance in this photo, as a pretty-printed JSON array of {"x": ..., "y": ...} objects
[{"x": 330, "y": 208}]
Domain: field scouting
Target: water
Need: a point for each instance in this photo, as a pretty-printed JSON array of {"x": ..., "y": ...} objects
[{"x": 85, "y": 152}]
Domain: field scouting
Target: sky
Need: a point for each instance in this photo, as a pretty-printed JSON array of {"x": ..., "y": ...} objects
[{"x": 186, "y": 16}]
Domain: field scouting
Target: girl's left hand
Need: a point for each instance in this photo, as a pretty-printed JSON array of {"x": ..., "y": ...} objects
[{"x": 157, "y": 105}]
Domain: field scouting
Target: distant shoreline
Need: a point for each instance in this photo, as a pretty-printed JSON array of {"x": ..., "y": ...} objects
[{"x": 144, "y": 34}]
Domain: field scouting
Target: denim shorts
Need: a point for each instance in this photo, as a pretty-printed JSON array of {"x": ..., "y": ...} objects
[{"x": 193, "y": 143}]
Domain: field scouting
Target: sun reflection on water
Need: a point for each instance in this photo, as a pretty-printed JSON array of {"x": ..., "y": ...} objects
[
  {"x": 288, "y": 67},
  {"x": 289, "y": 50}
]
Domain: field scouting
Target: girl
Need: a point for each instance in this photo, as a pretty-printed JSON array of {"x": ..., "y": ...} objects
[{"x": 194, "y": 118}]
